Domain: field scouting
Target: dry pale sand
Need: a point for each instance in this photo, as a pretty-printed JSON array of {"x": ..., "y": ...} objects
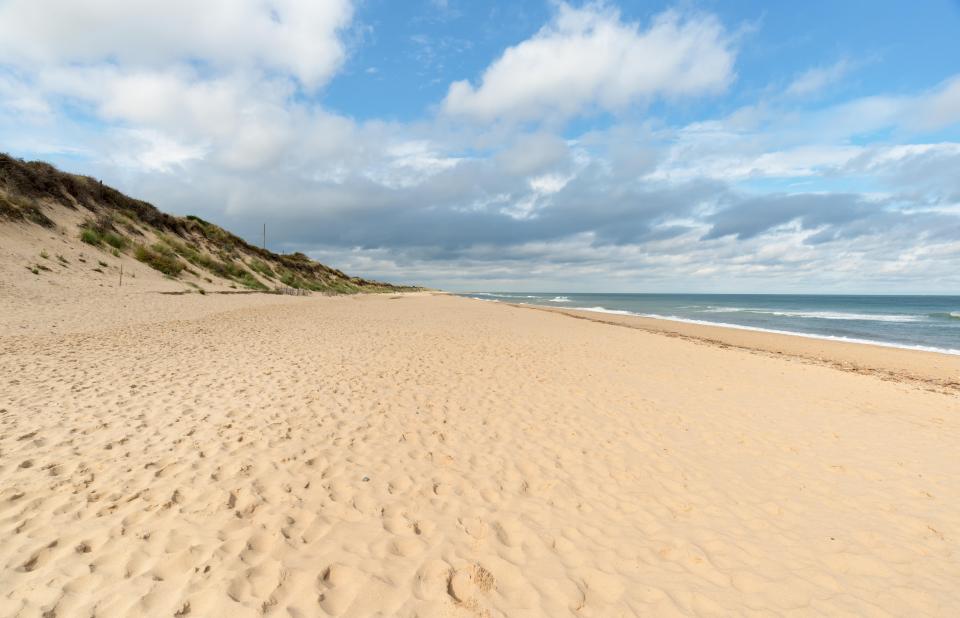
[{"x": 436, "y": 456}]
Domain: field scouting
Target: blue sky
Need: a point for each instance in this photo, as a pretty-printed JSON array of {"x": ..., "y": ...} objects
[
  {"x": 581, "y": 146},
  {"x": 418, "y": 48}
]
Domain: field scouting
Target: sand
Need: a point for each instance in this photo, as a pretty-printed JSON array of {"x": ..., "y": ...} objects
[
  {"x": 427, "y": 455},
  {"x": 936, "y": 372}
]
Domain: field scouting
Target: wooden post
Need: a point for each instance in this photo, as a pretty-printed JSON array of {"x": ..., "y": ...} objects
[{"x": 121, "y": 276}]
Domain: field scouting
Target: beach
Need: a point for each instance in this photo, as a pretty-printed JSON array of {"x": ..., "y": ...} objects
[{"x": 430, "y": 455}]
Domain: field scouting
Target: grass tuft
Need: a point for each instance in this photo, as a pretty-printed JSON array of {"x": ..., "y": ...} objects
[
  {"x": 262, "y": 268},
  {"x": 91, "y": 237},
  {"x": 159, "y": 257},
  {"x": 115, "y": 240}
]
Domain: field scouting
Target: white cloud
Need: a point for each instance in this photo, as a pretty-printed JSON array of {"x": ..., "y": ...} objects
[
  {"x": 213, "y": 80},
  {"x": 816, "y": 79},
  {"x": 150, "y": 151},
  {"x": 739, "y": 163},
  {"x": 588, "y": 57},
  {"x": 19, "y": 99},
  {"x": 940, "y": 108},
  {"x": 295, "y": 37},
  {"x": 410, "y": 163}
]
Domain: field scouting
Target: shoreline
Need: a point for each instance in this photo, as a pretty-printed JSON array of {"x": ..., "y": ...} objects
[
  {"x": 654, "y": 316},
  {"x": 934, "y": 370},
  {"x": 774, "y": 331}
]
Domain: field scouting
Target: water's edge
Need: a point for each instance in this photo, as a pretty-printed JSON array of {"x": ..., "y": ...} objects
[{"x": 904, "y": 318}]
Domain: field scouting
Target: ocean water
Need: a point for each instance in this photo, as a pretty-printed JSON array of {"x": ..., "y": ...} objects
[{"x": 916, "y": 322}]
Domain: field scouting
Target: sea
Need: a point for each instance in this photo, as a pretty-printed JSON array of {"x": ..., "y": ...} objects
[{"x": 930, "y": 323}]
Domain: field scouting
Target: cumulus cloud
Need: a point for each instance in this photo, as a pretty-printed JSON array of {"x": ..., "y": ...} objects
[
  {"x": 589, "y": 58},
  {"x": 296, "y": 37},
  {"x": 191, "y": 80}
]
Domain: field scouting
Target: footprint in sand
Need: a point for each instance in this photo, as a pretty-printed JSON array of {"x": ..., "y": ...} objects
[{"x": 339, "y": 587}]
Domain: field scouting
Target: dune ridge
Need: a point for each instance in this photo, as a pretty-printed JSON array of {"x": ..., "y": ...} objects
[{"x": 64, "y": 226}]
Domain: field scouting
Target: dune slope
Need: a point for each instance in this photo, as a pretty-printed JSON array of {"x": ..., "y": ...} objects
[{"x": 75, "y": 231}]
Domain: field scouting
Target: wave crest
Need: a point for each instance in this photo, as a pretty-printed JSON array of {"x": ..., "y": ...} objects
[{"x": 823, "y": 315}]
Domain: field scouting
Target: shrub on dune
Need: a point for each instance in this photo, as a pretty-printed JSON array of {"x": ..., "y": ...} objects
[{"x": 159, "y": 257}]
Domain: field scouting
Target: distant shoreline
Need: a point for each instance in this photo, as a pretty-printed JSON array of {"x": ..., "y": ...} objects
[
  {"x": 927, "y": 324},
  {"x": 772, "y": 331},
  {"x": 932, "y": 369}
]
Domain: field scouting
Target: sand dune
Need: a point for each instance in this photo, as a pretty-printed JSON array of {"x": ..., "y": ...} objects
[{"x": 435, "y": 456}]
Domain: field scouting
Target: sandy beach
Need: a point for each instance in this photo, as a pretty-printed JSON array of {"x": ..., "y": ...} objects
[{"x": 428, "y": 455}]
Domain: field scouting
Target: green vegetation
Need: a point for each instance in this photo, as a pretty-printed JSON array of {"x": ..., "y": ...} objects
[
  {"x": 262, "y": 268},
  {"x": 293, "y": 279},
  {"x": 62, "y": 259},
  {"x": 44, "y": 254},
  {"x": 114, "y": 240},
  {"x": 227, "y": 269},
  {"x": 101, "y": 231},
  {"x": 159, "y": 257},
  {"x": 103, "y": 264},
  {"x": 90, "y": 236}
]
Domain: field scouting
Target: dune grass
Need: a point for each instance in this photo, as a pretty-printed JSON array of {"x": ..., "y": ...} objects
[
  {"x": 159, "y": 257},
  {"x": 91, "y": 236}
]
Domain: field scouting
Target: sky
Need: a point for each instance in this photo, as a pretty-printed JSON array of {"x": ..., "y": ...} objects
[{"x": 541, "y": 145}]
